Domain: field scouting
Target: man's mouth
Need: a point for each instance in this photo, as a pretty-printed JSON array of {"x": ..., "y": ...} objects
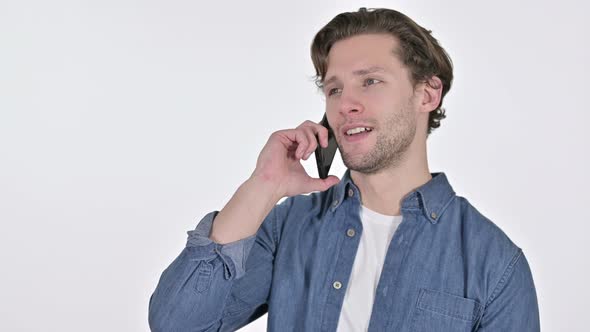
[
  {"x": 357, "y": 134},
  {"x": 356, "y": 131}
]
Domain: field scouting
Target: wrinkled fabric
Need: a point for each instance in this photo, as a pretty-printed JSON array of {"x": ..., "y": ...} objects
[{"x": 447, "y": 268}]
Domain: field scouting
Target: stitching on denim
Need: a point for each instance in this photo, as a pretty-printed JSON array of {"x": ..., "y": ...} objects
[
  {"x": 505, "y": 276},
  {"x": 413, "y": 231},
  {"x": 447, "y": 204},
  {"x": 324, "y": 324},
  {"x": 204, "y": 276},
  {"x": 443, "y": 311}
]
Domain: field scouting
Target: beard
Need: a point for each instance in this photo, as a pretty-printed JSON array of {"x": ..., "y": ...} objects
[{"x": 393, "y": 140}]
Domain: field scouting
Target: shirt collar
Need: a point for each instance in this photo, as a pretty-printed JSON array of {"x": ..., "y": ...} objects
[{"x": 432, "y": 198}]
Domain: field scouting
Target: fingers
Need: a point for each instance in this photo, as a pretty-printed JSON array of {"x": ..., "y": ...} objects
[
  {"x": 303, "y": 141},
  {"x": 313, "y": 132},
  {"x": 312, "y": 143}
]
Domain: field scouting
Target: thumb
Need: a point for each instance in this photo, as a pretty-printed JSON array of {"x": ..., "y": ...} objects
[{"x": 323, "y": 184}]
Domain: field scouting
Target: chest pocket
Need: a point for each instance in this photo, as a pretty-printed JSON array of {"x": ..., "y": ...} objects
[{"x": 440, "y": 311}]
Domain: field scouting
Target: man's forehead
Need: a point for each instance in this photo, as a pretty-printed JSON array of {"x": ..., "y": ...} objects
[
  {"x": 361, "y": 55},
  {"x": 363, "y": 46}
]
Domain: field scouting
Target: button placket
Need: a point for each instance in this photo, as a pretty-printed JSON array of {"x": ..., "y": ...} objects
[{"x": 344, "y": 260}]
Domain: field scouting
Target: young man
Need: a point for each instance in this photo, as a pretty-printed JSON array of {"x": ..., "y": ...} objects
[{"x": 390, "y": 247}]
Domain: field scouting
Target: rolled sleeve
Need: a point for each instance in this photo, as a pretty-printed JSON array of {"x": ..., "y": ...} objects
[{"x": 233, "y": 255}]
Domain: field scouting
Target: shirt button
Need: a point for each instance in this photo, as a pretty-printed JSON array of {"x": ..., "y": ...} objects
[
  {"x": 337, "y": 284},
  {"x": 350, "y": 232},
  {"x": 350, "y": 192},
  {"x": 433, "y": 215},
  {"x": 335, "y": 203}
]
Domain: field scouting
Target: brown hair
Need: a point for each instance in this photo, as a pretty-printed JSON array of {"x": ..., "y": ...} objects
[{"x": 418, "y": 50}]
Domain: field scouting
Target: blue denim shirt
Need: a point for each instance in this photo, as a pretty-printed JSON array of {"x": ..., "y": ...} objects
[{"x": 447, "y": 268}]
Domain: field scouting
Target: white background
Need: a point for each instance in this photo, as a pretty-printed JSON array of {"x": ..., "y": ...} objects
[{"x": 122, "y": 121}]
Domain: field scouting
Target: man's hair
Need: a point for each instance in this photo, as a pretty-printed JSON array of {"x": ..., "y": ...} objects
[{"x": 418, "y": 50}]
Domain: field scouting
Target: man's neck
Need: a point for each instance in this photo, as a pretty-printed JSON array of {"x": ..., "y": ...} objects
[{"x": 383, "y": 192}]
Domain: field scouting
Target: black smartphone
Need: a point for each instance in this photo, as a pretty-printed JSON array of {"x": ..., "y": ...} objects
[{"x": 325, "y": 156}]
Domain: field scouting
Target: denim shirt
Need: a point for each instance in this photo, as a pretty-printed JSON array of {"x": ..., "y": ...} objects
[{"x": 447, "y": 268}]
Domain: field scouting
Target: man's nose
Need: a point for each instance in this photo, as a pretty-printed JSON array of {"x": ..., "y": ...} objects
[{"x": 350, "y": 103}]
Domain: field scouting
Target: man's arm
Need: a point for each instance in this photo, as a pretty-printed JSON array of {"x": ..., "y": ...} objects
[
  {"x": 207, "y": 287},
  {"x": 513, "y": 304}
]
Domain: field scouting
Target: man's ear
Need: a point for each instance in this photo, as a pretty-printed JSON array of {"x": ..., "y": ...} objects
[{"x": 432, "y": 94}]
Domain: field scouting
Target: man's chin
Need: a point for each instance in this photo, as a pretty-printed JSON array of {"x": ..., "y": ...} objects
[{"x": 359, "y": 165}]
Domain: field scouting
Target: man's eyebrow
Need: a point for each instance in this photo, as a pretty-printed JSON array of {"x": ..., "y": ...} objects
[
  {"x": 360, "y": 72},
  {"x": 369, "y": 70}
]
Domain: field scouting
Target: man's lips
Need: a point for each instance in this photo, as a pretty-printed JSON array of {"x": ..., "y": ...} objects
[
  {"x": 357, "y": 137},
  {"x": 352, "y": 126}
]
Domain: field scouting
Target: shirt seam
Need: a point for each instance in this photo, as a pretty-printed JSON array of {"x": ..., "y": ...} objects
[
  {"x": 505, "y": 276},
  {"x": 275, "y": 234},
  {"x": 448, "y": 203}
]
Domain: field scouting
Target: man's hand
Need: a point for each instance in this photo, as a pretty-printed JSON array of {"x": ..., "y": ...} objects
[{"x": 279, "y": 161}]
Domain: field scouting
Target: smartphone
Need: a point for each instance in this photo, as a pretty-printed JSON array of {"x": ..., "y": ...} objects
[{"x": 325, "y": 156}]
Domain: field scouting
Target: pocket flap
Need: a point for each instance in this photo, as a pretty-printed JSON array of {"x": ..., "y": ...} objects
[{"x": 448, "y": 304}]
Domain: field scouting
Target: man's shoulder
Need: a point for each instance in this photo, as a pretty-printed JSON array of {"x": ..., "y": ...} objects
[
  {"x": 317, "y": 202},
  {"x": 483, "y": 240},
  {"x": 477, "y": 225}
]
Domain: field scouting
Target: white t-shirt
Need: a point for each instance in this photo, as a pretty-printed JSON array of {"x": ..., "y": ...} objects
[{"x": 378, "y": 229}]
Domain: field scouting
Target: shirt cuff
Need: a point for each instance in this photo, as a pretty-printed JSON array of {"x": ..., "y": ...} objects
[{"x": 233, "y": 254}]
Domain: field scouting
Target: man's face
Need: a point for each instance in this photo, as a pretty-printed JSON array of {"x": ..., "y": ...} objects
[{"x": 366, "y": 85}]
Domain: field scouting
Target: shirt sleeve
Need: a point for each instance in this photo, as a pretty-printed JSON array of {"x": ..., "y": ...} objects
[
  {"x": 513, "y": 304},
  {"x": 210, "y": 286},
  {"x": 232, "y": 254}
]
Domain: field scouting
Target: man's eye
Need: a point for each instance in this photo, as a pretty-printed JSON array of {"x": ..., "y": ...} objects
[
  {"x": 333, "y": 91},
  {"x": 371, "y": 81}
]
